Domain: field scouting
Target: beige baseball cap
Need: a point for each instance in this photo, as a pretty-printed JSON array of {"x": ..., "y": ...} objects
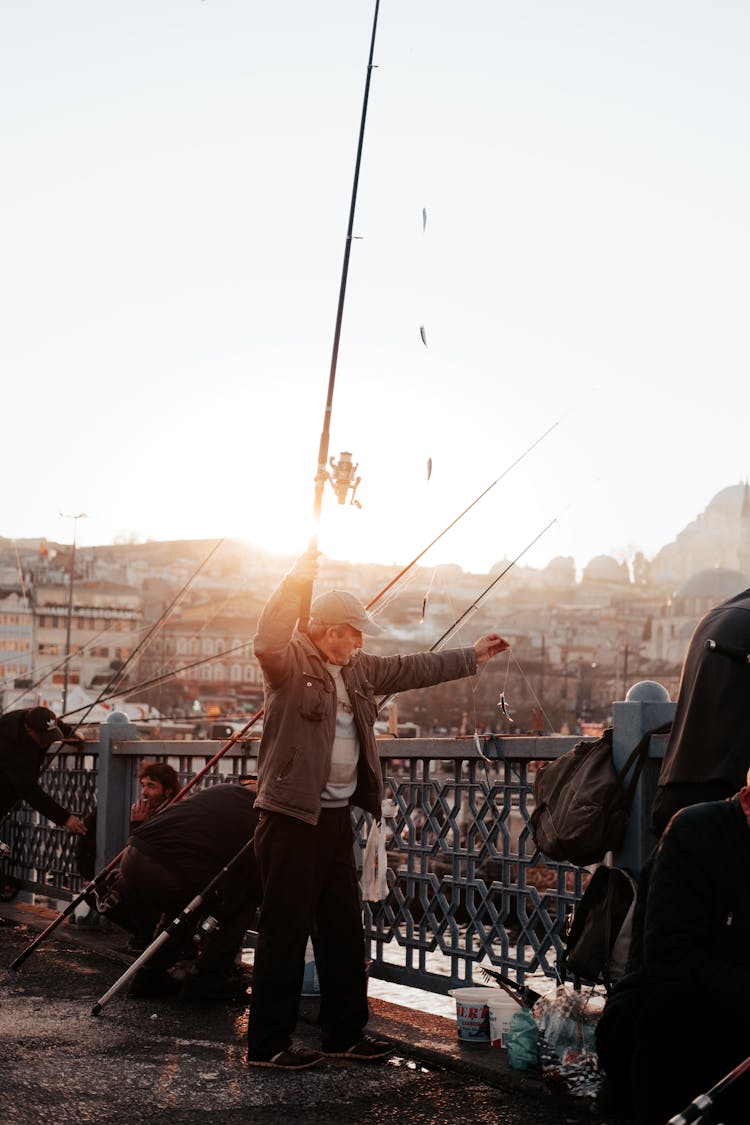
[{"x": 339, "y": 607}]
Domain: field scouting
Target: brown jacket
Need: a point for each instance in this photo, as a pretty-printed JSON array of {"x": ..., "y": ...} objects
[{"x": 299, "y": 721}]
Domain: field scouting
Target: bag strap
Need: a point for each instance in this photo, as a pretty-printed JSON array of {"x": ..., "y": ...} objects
[{"x": 637, "y": 760}]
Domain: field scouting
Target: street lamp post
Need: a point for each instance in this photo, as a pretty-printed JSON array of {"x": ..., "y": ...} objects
[{"x": 75, "y": 519}]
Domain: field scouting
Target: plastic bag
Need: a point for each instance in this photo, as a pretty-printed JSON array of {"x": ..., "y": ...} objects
[
  {"x": 375, "y": 863},
  {"x": 567, "y": 1046},
  {"x": 522, "y": 1040}
]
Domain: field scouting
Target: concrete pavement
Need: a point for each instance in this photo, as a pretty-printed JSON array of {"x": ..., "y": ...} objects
[{"x": 183, "y": 1063}]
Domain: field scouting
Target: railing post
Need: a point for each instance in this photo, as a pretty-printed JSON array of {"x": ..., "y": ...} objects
[
  {"x": 646, "y": 706},
  {"x": 113, "y": 789}
]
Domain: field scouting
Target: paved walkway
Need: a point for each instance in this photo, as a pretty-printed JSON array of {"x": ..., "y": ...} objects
[{"x": 182, "y": 1063}]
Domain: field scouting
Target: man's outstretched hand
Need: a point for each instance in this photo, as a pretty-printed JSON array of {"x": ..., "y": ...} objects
[{"x": 488, "y": 646}]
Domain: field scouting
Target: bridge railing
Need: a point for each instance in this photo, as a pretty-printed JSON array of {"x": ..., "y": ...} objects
[{"x": 466, "y": 884}]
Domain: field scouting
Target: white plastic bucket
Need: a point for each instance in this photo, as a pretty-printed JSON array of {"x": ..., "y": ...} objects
[
  {"x": 502, "y": 1009},
  {"x": 472, "y": 1014}
]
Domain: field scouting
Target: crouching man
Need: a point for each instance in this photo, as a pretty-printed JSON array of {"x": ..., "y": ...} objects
[
  {"x": 679, "y": 1023},
  {"x": 168, "y": 860}
]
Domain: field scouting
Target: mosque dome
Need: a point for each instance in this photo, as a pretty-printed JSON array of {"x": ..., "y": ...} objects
[
  {"x": 563, "y": 568},
  {"x": 728, "y": 501},
  {"x": 604, "y": 568},
  {"x": 717, "y": 583}
]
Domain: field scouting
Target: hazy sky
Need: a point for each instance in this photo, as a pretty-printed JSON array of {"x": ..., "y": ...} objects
[{"x": 174, "y": 200}]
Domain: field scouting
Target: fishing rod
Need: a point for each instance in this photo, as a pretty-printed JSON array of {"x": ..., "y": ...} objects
[
  {"x": 467, "y": 509},
  {"x": 50, "y": 670},
  {"x": 475, "y": 604},
  {"x": 522, "y": 996},
  {"x": 174, "y": 926},
  {"x": 342, "y": 475},
  {"x": 119, "y": 673},
  {"x": 154, "y": 681},
  {"x": 133, "y": 689},
  {"x": 237, "y": 736},
  {"x": 705, "y": 1103},
  {"x": 99, "y": 879},
  {"x": 156, "y": 627},
  {"x": 68, "y": 741}
]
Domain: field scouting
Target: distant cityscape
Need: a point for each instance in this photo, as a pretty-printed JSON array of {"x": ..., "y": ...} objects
[{"x": 163, "y": 630}]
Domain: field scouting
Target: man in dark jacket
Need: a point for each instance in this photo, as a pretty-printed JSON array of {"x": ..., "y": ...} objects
[
  {"x": 676, "y": 1026},
  {"x": 317, "y": 757},
  {"x": 708, "y": 754},
  {"x": 172, "y": 857},
  {"x": 25, "y": 738}
]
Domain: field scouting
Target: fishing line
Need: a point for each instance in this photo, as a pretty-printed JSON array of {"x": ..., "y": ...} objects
[
  {"x": 534, "y": 696},
  {"x": 158, "y": 625},
  {"x": 133, "y": 689},
  {"x": 208, "y": 620},
  {"x": 50, "y": 670},
  {"x": 460, "y": 515},
  {"x": 461, "y": 621}
]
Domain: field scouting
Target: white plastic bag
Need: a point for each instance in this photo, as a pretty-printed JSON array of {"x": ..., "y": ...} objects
[
  {"x": 567, "y": 1045},
  {"x": 375, "y": 864}
]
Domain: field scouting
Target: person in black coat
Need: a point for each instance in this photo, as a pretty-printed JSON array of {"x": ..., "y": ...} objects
[
  {"x": 25, "y": 738},
  {"x": 708, "y": 753},
  {"x": 172, "y": 857},
  {"x": 681, "y": 1021}
]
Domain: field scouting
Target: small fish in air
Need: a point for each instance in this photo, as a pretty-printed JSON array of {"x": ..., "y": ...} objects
[
  {"x": 424, "y": 219},
  {"x": 429, "y": 467},
  {"x": 424, "y": 608},
  {"x": 423, "y": 334},
  {"x": 504, "y": 707}
]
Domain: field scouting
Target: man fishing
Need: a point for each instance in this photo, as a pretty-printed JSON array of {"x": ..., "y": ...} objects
[
  {"x": 317, "y": 758},
  {"x": 25, "y": 737},
  {"x": 159, "y": 783}
]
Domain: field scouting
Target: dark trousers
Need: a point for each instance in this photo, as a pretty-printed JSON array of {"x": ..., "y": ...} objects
[
  {"x": 310, "y": 889},
  {"x": 662, "y": 1043}
]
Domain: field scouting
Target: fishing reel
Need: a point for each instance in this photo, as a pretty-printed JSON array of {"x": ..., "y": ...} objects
[
  {"x": 342, "y": 478},
  {"x": 205, "y": 928}
]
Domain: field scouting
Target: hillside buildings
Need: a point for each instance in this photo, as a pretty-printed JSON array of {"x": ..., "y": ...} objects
[{"x": 171, "y": 624}]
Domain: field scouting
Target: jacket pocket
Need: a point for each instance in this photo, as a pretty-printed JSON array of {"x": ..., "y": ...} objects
[
  {"x": 314, "y": 698},
  {"x": 366, "y": 708}
]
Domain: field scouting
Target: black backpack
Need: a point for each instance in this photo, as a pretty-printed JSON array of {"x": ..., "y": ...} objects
[
  {"x": 598, "y": 941},
  {"x": 582, "y": 804}
]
